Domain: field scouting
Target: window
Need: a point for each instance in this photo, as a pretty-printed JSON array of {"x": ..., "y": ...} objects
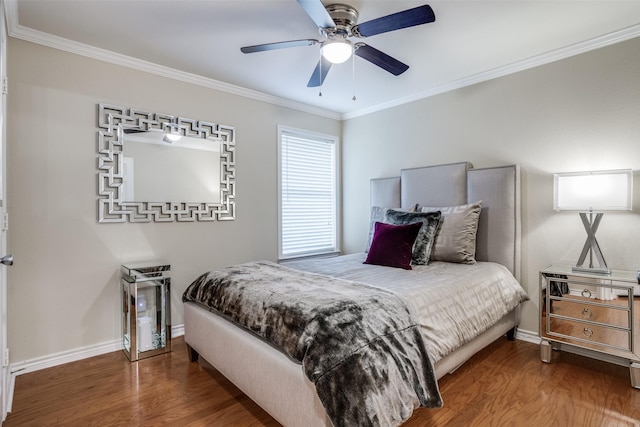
[{"x": 308, "y": 193}]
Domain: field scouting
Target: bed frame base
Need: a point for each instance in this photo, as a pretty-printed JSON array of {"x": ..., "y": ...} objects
[
  {"x": 193, "y": 355},
  {"x": 277, "y": 383}
]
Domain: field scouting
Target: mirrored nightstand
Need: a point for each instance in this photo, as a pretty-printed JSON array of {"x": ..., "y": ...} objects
[
  {"x": 146, "y": 310},
  {"x": 595, "y": 315}
]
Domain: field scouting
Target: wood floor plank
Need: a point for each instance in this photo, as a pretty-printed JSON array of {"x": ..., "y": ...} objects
[{"x": 504, "y": 385}]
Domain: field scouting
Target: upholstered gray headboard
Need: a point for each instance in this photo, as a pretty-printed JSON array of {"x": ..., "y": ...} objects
[{"x": 498, "y": 238}]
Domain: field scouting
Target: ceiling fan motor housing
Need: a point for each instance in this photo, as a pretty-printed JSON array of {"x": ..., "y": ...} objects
[{"x": 344, "y": 16}]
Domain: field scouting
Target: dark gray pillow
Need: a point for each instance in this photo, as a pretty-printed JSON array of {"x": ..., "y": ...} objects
[
  {"x": 378, "y": 214},
  {"x": 426, "y": 236}
]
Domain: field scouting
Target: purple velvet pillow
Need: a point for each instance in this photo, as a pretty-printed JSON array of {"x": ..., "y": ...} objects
[{"x": 392, "y": 245}]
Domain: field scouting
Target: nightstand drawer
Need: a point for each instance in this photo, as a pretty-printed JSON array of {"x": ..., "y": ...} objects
[
  {"x": 606, "y": 294},
  {"x": 583, "y": 310},
  {"x": 586, "y": 332}
]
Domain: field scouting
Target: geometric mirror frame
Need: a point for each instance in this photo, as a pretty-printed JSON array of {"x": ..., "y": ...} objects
[{"x": 114, "y": 122}]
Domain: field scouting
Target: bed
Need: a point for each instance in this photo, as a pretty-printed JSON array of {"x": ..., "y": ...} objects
[{"x": 278, "y": 383}]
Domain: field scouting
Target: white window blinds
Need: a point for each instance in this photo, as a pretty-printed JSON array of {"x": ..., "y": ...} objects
[{"x": 308, "y": 193}]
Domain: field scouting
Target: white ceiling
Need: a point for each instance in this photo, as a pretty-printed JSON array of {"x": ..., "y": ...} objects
[{"x": 200, "y": 41}]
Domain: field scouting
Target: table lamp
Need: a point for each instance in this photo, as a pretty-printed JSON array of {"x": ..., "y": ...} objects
[{"x": 589, "y": 193}]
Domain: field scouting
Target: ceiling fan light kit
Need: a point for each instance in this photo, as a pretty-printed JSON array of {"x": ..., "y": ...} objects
[
  {"x": 338, "y": 22},
  {"x": 337, "y": 51}
]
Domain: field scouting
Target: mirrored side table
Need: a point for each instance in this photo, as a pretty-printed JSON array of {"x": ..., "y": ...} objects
[
  {"x": 146, "y": 310},
  {"x": 591, "y": 314}
]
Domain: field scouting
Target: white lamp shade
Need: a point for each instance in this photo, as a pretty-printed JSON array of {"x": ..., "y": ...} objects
[
  {"x": 337, "y": 51},
  {"x": 593, "y": 191}
]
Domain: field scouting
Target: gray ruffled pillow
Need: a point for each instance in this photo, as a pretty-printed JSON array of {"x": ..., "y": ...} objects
[{"x": 426, "y": 236}]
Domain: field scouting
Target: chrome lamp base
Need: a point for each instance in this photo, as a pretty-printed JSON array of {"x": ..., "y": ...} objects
[{"x": 591, "y": 246}]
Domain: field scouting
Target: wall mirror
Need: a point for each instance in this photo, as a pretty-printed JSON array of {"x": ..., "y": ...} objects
[{"x": 157, "y": 167}]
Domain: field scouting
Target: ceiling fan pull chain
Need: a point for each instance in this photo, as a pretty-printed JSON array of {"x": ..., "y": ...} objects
[
  {"x": 321, "y": 79},
  {"x": 353, "y": 76}
]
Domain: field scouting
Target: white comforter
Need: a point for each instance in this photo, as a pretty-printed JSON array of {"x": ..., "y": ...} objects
[{"x": 453, "y": 303}]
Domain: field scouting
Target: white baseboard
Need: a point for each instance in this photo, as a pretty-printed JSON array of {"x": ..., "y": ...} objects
[
  {"x": 56, "y": 359},
  {"x": 48, "y": 361},
  {"x": 528, "y": 336}
]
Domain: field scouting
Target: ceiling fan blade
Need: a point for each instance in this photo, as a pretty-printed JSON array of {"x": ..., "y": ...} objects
[
  {"x": 320, "y": 73},
  {"x": 318, "y": 13},
  {"x": 380, "y": 59},
  {"x": 278, "y": 45},
  {"x": 396, "y": 21}
]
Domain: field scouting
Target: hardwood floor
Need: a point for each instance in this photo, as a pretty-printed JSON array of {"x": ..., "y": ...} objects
[{"x": 504, "y": 385}]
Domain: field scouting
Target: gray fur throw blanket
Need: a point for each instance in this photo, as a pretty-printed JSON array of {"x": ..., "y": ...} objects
[{"x": 358, "y": 344}]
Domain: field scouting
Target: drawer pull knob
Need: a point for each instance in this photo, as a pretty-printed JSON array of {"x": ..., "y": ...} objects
[
  {"x": 587, "y": 313},
  {"x": 586, "y": 293},
  {"x": 588, "y": 332}
]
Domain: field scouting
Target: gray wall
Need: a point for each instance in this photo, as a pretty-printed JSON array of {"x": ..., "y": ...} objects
[
  {"x": 582, "y": 113},
  {"x": 63, "y": 289}
]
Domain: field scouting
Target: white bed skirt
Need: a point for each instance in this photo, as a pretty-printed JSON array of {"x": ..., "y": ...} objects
[{"x": 277, "y": 383}]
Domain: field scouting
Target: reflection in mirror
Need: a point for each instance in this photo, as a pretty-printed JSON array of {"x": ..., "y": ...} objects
[{"x": 156, "y": 167}]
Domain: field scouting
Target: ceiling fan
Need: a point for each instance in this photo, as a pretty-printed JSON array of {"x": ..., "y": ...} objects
[{"x": 338, "y": 22}]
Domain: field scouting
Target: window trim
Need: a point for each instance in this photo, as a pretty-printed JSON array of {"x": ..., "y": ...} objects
[{"x": 337, "y": 190}]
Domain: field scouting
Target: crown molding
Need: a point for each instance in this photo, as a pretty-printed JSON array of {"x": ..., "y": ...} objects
[
  {"x": 17, "y": 31},
  {"x": 535, "y": 61}
]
